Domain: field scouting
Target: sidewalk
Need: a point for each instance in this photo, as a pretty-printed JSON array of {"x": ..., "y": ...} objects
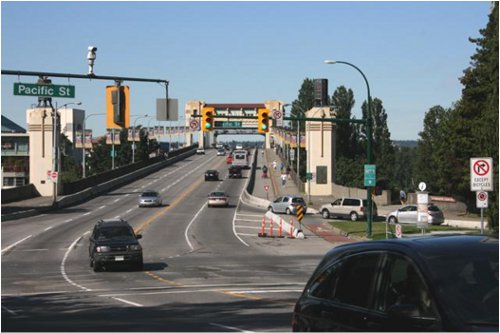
[{"x": 25, "y": 208}]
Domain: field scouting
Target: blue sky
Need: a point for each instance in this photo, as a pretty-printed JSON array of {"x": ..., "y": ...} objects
[{"x": 412, "y": 53}]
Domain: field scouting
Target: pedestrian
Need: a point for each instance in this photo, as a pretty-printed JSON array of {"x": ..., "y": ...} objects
[
  {"x": 282, "y": 165},
  {"x": 274, "y": 165},
  {"x": 288, "y": 172},
  {"x": 283, "y": 180}
]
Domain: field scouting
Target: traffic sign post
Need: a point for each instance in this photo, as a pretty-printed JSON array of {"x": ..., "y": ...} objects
[{"x": 481, "y": 181}]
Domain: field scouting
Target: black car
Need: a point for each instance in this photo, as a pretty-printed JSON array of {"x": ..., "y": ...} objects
[
  {"x": 211, "y": 175},
  {"x": 437, "y": 283},
  {"x": 235, "y": 172},
  {"x": 114, "y": 242}
]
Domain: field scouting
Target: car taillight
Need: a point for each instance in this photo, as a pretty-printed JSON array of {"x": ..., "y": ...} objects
[{"x": 362, "y": 209}]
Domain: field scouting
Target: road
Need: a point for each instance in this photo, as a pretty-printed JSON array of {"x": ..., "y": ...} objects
[{"x": 205, "y": 269}]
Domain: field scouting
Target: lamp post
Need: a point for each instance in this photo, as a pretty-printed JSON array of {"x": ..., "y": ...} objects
[
  {"x": 55, "y": 145},
  {"x": 368, "y": 141},
  {"x": 83, "y": 141},
  {"x": 133, "y": 142}
]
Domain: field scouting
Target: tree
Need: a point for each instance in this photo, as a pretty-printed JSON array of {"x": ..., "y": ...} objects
[
  {"x": 70, "y": 170},
  {"x": 346, "y": 136},
  {"x": 382, "y": 147}
]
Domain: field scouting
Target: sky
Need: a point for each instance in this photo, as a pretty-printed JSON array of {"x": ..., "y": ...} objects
[{"x": 412, "y": 53}]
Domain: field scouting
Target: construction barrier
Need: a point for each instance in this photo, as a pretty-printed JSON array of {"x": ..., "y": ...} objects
[{"x": 273, "y": 218}]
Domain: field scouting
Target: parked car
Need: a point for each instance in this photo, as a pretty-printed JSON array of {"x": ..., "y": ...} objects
[
  {"x": 218, "y": 198},
  {"x": 200, "y": 151},
  {"x": 287, "y": 204},
  {"x": 150, "y": 198},
  {"x": 211, "y": 175},
  {"x": 221, "y": 152},
  {"x": 352, "y": 208},
  {"x": 114, "y": 242},
  {"x": 409, "y": 214},
  {"x": 436, "y": 283},
  {"x": 235, "y": 172}
]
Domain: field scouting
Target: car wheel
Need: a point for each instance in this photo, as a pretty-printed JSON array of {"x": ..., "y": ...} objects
[
  {"x": 325, "y": 214},
  {"x": 353, "y": 216},
  {"x": 393, "y": 220},
  {"x": 288, "y": 211},
  {"x": 97, "y": 267}
]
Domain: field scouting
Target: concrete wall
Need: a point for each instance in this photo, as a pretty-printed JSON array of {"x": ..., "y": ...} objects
[{"x": 19, "y": 193}]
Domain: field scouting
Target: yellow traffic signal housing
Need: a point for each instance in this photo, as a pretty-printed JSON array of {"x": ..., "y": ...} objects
[
  {"x": 117, "y": 107},
  {"x": 207, "y": 119},
  {"x": 263, "y": 121}
]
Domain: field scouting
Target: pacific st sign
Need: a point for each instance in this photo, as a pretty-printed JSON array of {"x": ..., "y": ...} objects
[{"x": 44, "y": 90}]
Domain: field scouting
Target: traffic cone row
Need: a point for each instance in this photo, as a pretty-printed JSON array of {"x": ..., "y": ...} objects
[{"x": 263, "y": 233}]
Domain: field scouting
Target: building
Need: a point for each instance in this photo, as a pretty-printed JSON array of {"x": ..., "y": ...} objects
[{"x": 15, "y": 154}]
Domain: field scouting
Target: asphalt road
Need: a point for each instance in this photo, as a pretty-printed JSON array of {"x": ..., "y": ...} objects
[{"x": 205, "y": 269}]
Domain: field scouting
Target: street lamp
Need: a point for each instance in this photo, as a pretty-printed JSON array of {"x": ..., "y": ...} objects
[
  {"x": 83, "y": 140},
  {"x": 55, "y": 145},
  {"x": 133, "y": 142},
  {"x": 368, "y": 141}
]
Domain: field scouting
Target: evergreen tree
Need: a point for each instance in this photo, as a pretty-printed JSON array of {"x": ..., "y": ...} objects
[{"x": 346, "y": 141}]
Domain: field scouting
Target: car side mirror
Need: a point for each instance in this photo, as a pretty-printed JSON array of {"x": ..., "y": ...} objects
[{"x": 138, "y": 236}]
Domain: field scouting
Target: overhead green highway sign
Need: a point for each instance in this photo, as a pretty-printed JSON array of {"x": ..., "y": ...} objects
[{"x": 44, "y": 90}]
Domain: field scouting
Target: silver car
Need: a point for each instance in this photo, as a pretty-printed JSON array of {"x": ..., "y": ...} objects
[
  {"x": 409, "y": 214},
  {"x": 287, "y": 204},
  {"x": 150, "y": 198}
]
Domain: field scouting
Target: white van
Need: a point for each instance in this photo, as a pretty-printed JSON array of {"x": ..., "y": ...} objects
[
  {"x": 240, "y": 158},
  {"x": 352, "y": 208}
]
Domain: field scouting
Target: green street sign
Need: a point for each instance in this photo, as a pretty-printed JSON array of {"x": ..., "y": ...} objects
[
  {"x": 44, "y": 90},
  {"x": 309, "y": 176},
  {"x": 370, "y": 175},
  {"x": 228, "y": 124}
]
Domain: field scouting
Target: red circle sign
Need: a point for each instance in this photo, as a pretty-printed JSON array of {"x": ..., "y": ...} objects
[
  {"x": 481, "y": 168},
  {"x": 482, "y": 196}
]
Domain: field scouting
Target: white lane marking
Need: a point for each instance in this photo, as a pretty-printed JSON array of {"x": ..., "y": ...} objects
[
  {"x": 230, "y": 328},
  {"x": 68, "y": 220},
  {"x": 242, "y": 234},
  {"x": 126, "y": 195},
  {"x": 63, "y": 263},
  {"x": 209, "y": 290},
  {"x": 252, "y": 215},
  {"x": 236, "y": 212},
  {"x": 102, "y": 207},
  {"x": 16, "y": 243},
  {"x": 253, "y": 221},
  {"x": 117, "y": 217},
  {"x": 189, "y": 225},
  {"x": 127, "y": 302},
  {"x": 128, "y": 211},
  {"x": 42, "y": 215},
  {"x": 88, "y": 213},
  {"x": 116, "y": 200},
  {"x": 12, "y": 312},
  {"x": 48, "y": 228},
  {"x": 248, "y": 227}
]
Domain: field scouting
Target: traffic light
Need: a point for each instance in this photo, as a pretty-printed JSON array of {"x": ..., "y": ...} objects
[
  {"x": 117, "y": 107},
  {"x": 207, "y": 119},
  {"x": 263, "y": 121}
]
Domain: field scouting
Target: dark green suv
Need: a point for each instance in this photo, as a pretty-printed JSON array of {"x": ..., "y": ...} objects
[{"x": 114, "y": 242}]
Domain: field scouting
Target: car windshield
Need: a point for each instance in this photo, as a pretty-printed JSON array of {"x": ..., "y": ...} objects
[
  {"x": 114, "y": 233},
  {"x": 469, "y": 282},
  {"x": 149, "y": 194},
  {"x": 217, "y": 194}
]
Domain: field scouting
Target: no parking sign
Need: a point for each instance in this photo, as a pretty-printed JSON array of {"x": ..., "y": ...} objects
[{"x": 481, "y": 199}]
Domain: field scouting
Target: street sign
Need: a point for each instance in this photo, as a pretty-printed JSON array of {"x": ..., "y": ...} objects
[
  {"x": 53, "y": 176},
  {"x": 422, "y": 186},
  {"x": 309, "y": 175},
  {"x": 278, "y": 117},
  {"x": 266, "y": 188},
  {"x": 194, "y": 124},
  {"x": 370, "y": 175},
  {"x": 44, "y": 90},
  {"x": 481, "y": 174},
  {"x": 399, "y": 231},
  {"x": 481, "y": 199}
]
